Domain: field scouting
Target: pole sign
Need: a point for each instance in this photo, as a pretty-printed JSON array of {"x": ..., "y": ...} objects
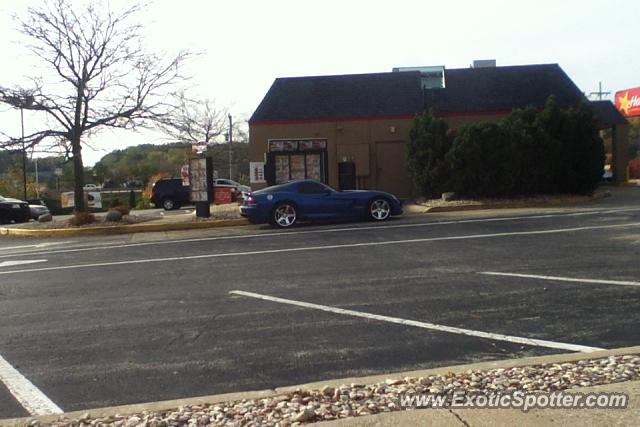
[
  {"x": 256, "y": 172},
  {"x": 628, "y": 102},
  {"x": 201, "y": 179}
]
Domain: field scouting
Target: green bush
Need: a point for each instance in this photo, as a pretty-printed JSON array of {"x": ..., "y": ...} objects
[
  {"x": 478, "y": 161},
  {"x": 529, "y": 152},
  {"x": 428, "y": 145}
]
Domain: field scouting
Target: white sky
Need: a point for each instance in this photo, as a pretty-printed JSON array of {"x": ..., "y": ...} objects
[{"x": 246, "y": 44}]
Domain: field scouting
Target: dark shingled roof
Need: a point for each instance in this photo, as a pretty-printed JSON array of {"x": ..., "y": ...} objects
[
  {"x": 607, "y": 114},
  {"x": 467, "y": 91},
  {"x": 340, "y": 97},
  {"x": 497, "y": 89}
]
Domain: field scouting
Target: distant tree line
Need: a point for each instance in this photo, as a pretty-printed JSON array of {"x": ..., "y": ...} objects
[
  {"x": 11, "y": 178},
  {"x": 528, "y": 152},
  {"x": 135, "y": 166}
]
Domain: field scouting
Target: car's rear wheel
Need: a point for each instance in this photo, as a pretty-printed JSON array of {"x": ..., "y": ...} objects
[
  {"x": 379, "y": 209},
  {"x": 168, "y": 204},
  {"x": 284, "y": 215}
]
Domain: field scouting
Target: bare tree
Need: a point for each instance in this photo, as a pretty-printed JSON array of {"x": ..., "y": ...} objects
[
  {"x": 193, "y": 121},
  {"x": 103, "y": 76}
]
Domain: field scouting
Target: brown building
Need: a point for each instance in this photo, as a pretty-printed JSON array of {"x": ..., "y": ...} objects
[{"x": 351, "y": 131}]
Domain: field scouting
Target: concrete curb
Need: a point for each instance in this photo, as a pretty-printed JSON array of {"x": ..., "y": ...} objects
[
  {"x": 168, "y": 405},
  {"x": 146, "y": 228},
  {"x": 122, "y": 229}
]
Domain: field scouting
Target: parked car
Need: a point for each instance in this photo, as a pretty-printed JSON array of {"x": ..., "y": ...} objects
[
  {"x": 13, "y": 210},
  {"x": 286, "y": 204},
  {"x": 37, "y": 208},
  {"x": 169, "y": 193},
  {"x": 222, "y": 182}
]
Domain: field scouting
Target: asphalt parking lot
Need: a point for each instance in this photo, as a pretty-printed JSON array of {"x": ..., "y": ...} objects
[{"x": 92, "y": 322}]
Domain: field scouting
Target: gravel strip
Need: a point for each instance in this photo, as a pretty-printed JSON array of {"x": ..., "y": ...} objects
[
  {"x": 328, "y": 403},
  {"x": 514, "y": 201}
]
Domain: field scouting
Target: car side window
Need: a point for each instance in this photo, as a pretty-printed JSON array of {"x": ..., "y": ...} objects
[{"x": 312, "y": 188}]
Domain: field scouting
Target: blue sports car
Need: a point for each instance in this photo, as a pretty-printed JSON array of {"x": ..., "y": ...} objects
[{"x": 284, "y": 205}]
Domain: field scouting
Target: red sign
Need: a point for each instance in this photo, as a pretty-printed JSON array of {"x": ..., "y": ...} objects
[
  {"x": 223, "y": 196},
  {"x": 628, "y": 102}
]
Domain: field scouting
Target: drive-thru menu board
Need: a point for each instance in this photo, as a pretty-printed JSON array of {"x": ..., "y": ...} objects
[{"x": 201, "y": 179}]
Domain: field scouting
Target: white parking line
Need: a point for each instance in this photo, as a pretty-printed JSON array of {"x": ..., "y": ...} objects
[
  {"x": 29, "y": 396},
  {"x": 107, "y": 246},
  {"x": 315, "y": 248},
  {"x": 20, "y": 262},
  {"x": 564, "y": 279},
  {"x": 424, "y": 325},
  {"x": 37, "y": 245}
]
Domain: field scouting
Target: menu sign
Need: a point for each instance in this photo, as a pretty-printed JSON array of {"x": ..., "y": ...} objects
[
  {"x": 200, "y": 179},
  {"x": 312, "y": 144},
  {"x": 288, "y": 145},
  {"x": 628, "y": 102},
  {"x": 256, "y": 172}
]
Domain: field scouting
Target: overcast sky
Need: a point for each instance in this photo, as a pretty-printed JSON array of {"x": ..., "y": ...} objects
[{"x": 246, "y": 44}]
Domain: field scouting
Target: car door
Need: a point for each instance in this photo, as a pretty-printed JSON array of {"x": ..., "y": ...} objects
[{"x": 317, "y": 201}]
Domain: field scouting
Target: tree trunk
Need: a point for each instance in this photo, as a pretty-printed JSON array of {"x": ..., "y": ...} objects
[{"x": 78, "y": 174}]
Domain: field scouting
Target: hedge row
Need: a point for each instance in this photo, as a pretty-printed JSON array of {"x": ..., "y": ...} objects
[{"x": 529, "y": 152}]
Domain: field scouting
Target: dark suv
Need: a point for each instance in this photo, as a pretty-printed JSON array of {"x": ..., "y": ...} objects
[
  {"x": 169, "y": 193},
  {"x": 13, "y": 210}
]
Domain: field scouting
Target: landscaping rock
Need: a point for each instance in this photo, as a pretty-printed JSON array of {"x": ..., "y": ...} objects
[
  {"x": 45, "y": 218},
  {"x": 113, "y": 216},
  {"x": 329, "y": 403}
]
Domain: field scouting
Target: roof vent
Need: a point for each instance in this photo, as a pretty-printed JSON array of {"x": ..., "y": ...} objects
[
  {"x": 432, "y": 77},
  {"x": 484, "y": 63}
]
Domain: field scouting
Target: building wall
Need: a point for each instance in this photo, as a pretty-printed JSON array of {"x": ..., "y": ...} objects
[
  {"x": 378, "y": 147},
  {"x": 352, "y": 140}
]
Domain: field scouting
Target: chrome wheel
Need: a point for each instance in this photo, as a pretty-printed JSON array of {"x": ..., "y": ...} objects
[
  {"x": 379, "y": 210},
  {"x": 285, "y": 215}
]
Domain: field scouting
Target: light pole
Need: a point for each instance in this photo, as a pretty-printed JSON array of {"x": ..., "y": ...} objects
[
  {"x": 24, "y": 100},
  {"x": 230, "y": 139}
]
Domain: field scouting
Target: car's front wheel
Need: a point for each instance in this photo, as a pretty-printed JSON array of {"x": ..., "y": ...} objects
[
  {"x": 284, "y": 215},
  {"x": 168, "y": 204},
  {"x": 379, "y": 209}
]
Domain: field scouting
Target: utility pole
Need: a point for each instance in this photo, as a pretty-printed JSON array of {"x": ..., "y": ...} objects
[
  {"x": 24, "y": 155},
  {"x": 600, "y": 93},
  {"x": 230, "y": 152},
  {"x": 37, "y": 180}
]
